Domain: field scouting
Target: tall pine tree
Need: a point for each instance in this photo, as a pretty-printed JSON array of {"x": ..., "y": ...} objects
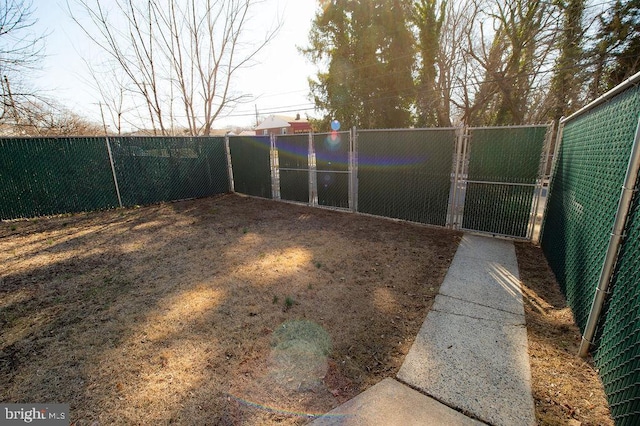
[
  {"x": 617, "y": 47},
  {"x": 369, "y": 52},
  {"x": 428, "y": 17}
]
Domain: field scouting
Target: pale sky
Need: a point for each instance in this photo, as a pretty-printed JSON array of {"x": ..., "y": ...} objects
[{"x": 278, "y": 82}]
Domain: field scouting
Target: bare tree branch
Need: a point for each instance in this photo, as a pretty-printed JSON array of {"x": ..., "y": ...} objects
[{"x": 176, "y": 54}]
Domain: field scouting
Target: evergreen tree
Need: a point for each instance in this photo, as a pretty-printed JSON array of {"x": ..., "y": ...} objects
[
  {"x": 428, "y": 17},
  {"x": 617, "y": 48},
  {"x": 567, "y": 80},
  {"x": 369, "y": 53}
]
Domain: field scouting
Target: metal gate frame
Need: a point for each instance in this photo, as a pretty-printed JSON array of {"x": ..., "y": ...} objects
[
  {"x": 460, "y": 180},
  {"x": 459, "y": 177},
  {"x": 351, "y": 171}
]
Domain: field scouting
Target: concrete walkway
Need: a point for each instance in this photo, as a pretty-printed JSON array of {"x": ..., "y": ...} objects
[{"x": 470, "y": 356}]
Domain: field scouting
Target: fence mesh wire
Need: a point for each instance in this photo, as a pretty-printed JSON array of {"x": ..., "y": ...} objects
[
  {"x": 582, "y": 204},
  {"x": 507, "y": 161},
  {"x": 250, "y": 157},
  {"x": 618, "y": 338},
  {"x": 41, "y": 177},
  {"x": 66, "y": 175},
  {"x": 293, "y": 158},
  {"x": 332, "y": 169},
  {"x": 155, "y": 169},
  {"x": 406, "y": 174}
]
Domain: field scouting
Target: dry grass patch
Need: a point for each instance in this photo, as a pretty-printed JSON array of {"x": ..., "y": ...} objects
[
  {"x": 566, "y": 389},
  {"x": 225, "y": 310}
]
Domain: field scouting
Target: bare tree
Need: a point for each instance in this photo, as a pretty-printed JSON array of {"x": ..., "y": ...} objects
[
  {"x": 177, "y": 59},
  {"x": 452, "y": 82},
  {"x": 21, "y": 49},
  {"x": 508, "y": 60}
]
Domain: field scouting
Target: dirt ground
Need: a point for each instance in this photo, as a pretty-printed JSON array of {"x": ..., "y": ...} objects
[
  {"x": 566, "y": 389},
  {"x": 225, "y": 310},
  {"x": 231, "y": 310}
]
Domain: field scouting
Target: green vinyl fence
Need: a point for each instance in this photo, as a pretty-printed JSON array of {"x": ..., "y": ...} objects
[
  {"x": 46, "y": 176},
  {"x": 589, "y": 171}
]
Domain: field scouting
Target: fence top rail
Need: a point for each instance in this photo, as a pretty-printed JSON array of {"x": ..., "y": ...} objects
[
  {"x": 631, "y": 81},
  {"x": 340, "y": 132},
  {"x": 515, "y": 126},
  {"x": 411, "y": 129},
  {"x": 101, "y": 137}
]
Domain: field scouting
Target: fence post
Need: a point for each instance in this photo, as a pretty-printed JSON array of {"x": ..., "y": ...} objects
[
  {"x": 353, "y": 169},
  {"x": 313, "y": 177},
  {"x": 456, "y": 174},
  {"x": 113, "y": 170},
  {"x": 554, "y": 157},
  {"x": 229, "y": 165},
  {"x": 275, "y": 167},
  {"x": 542, "y": 169},
  {"x": 461, "y": 171}
]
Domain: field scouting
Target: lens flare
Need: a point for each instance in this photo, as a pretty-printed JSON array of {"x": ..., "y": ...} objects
[{"x": 333, "y": 141}]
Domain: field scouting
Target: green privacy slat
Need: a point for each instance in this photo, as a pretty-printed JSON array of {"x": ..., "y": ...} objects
[
  {"x": 510, "y": 155},
  {"x": 406, "y": 174},
  {"x": 155, "y": 169},
  {"x": 294, "y": 185},
  {"x": 583, "y": 199},
  {"x": 250, "y": 157},
  {"x": 332, "y": 165},
  {"x": 293, "y": 151},
  {"x": 499, "y": 209},
  {"x": 45, "y": 176},
  {"x": 618, "y": 338}
]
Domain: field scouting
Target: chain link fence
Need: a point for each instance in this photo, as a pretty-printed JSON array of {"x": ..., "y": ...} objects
[
  {"x": 504, "y": 171},
  {"x": 152, "y": 169},
  {"x": 589, "y": 171},
  {"x": 618, "y": 338},
  {"x": 251, "y": 165},
  {"x": 406, "y": 174},
  {"x": 46, "y": 176}
]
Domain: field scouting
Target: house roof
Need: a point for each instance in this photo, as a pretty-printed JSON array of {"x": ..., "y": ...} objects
[{"x": 279, "y": 121}]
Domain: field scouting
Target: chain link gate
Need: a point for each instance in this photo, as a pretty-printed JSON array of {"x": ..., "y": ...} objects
[
  {"x": 497, "y": 179},
  {"x": 315, "y": 168}
]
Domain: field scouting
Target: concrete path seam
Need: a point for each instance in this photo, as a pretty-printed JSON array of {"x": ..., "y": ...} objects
[
  {"x": 453, "y": 407},
  {"x": 479, "y": 304},
  {"x": 478, "y": 318}
]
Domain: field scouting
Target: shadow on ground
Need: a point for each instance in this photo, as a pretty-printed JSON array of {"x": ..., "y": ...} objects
[{"x": 167, "y": 313}]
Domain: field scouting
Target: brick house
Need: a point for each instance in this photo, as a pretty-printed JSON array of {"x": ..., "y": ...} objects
[{"x": 283, "y": 125}]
